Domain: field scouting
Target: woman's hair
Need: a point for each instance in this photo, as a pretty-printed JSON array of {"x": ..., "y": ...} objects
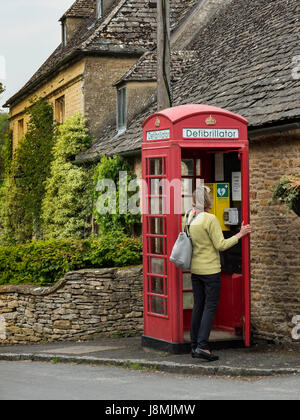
[{"x": 201, "y": 198}]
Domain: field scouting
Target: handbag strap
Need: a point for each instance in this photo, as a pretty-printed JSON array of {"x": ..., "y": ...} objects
[{"x": 188, "y": 223}]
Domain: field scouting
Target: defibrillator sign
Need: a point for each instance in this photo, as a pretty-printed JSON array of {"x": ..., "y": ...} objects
[
  {"x": 210, "y": 133},
  {"x": 222, "y": 191}
]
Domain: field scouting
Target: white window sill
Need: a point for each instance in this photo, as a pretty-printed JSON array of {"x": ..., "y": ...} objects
[{"x": 120, "y": 131}]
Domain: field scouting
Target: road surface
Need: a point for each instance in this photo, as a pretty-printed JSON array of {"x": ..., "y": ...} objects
[{"x": 56, "y": 381}]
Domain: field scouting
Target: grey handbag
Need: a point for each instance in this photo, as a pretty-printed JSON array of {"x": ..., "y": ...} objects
[{"x": 182, "y": 250}]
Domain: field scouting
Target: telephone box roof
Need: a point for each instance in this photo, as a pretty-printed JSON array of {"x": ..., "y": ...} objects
[{"x": 181, "y": 112}]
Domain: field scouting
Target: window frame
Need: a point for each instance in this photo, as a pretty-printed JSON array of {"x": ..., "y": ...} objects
[
  {"x": 100, "y": 7},
  {"x": 60, "y": 109},
  {"x": 20, "y": 128},
  {"x": 122, "y": 108},
  {"x": 64, "y": 33}
]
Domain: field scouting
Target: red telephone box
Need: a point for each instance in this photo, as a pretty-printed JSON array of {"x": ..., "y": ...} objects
[{"x": 184, "y": 146}]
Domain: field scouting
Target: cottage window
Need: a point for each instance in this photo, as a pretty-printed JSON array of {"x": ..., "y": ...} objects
[
  {"x": 64, "y": 33},
  {"x": 99, "y": 9},
  {"x": 122, "y": 108},
  {"x": 60, "y": 110},
  {"x": 20, "y": 129}
]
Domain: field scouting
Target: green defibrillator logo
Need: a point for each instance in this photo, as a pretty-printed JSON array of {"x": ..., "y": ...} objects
[{"x": 222, "y": 191}]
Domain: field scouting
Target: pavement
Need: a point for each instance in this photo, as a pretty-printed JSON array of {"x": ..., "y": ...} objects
[{"x": 261, "y": 359}]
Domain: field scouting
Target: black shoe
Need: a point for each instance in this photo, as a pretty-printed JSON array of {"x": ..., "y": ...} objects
[
  {"x": 193, "y": 351},
  {"x": 200, "y": 354}
]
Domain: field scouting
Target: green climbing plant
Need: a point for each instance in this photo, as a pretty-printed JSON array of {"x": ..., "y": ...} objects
[
  {"x": 115, "y": 187},
  {"x": 68, "y": 203},
  {"x": 25, "y": 174}
]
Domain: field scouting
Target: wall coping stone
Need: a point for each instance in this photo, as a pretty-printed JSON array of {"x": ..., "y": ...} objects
[{"x": 34, "y": 290}]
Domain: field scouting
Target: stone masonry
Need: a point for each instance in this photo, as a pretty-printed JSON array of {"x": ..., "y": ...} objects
[
  {"x": 275, "y": 253},
  {"x": 84, "y": 305}
]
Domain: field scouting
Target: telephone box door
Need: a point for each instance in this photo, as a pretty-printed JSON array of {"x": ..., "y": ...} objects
[
  {"x": 246, "y": 247},
  {"x": 160, "y": 295}
]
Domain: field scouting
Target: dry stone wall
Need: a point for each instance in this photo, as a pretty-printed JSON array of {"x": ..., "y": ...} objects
[
  {"x": 84, "y": 305},
  {"x": 275, "y": 241}
]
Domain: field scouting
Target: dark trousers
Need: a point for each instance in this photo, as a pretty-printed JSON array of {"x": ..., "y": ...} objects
[{"x": 206, "y": 290}]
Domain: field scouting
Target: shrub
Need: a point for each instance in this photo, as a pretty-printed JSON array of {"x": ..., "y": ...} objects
[
  {"x": 116, "y": 218},
  {"x": 46, "y": 262},
  {"x": 287, "y": 191},
  {"x": 114, "y": 250},
  {"x": 68, "y": 202}
]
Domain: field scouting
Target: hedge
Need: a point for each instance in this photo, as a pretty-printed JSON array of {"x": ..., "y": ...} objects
[{"x": 46, "y": 262}]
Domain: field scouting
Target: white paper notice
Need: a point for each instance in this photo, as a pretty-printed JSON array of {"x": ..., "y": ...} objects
[
  {"x": 219, "y": 167},
  {"x": 236, "y": 186}
]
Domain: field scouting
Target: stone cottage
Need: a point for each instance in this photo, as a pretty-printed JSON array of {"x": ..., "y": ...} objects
[
  {"x": 244, "y": 59},
  {"x": 241, "y": 56},
  {"x": 101, "y": 40}
]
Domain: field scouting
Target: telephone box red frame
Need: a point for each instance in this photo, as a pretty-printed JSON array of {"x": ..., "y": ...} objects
[{"x": 163, "y": 137}]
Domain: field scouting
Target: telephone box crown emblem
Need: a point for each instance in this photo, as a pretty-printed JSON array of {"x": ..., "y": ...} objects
[{"x": 210, "y": 121}]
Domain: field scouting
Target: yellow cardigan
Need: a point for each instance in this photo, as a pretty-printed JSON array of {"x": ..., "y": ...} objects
[{"x": 208, "y": 240}]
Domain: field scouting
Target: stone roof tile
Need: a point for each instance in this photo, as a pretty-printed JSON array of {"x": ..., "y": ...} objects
[
  {"x": 81, "y": 8},
  {"x": 128, "y": 26},
  {"x": 146, "y": 67},
  {"x": 246, "y": 64}
]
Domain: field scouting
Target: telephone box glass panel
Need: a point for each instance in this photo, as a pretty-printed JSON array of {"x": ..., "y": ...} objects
[
  {"x": 157, "y": 265},
  {"x": 188, "y": 301},
  {"x": 156, "y": 166},
  {"x": 156, "y": 246},
  {"x": 158, "y": 305},
  {"x": 157, "y": 285},
  {"x": 157, "y": 225},
  {"x": 186, "y": 281},
  {"x": 157, "y": 205},
  {"x": 187, "y": 167}
]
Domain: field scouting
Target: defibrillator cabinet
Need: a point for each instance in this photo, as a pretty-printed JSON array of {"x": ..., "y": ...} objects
[{"x": 184, "y": 147}]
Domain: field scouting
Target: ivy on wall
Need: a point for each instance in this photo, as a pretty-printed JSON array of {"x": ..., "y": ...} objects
[
  {"x": 68, "y": 201},
  {"x": 6, "y": 160},
  {"x": 6, "y": 152},
  {"x": 24, "y": 184},
  {"x": 4, "y": 128}
]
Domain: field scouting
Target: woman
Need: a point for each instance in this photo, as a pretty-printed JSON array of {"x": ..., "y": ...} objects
[{"x": 208, "y": 240}]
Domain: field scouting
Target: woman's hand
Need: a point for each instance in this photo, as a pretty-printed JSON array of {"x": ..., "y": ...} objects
[{"x": 245, "y": 230}]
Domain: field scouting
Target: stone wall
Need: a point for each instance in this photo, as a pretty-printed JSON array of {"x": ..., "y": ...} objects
[
  {"x": 139, "y": 95},
  {"x": 67, "y": 82},
  {"x": 100, "y": 96},
  {"x": 275, "y": 241},
  {"x": 275, "y": 245},
  {"x": 84, "y": 305}
]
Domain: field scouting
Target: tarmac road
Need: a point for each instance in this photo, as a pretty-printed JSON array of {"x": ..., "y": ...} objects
[{"x": 50, "y": 381}]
